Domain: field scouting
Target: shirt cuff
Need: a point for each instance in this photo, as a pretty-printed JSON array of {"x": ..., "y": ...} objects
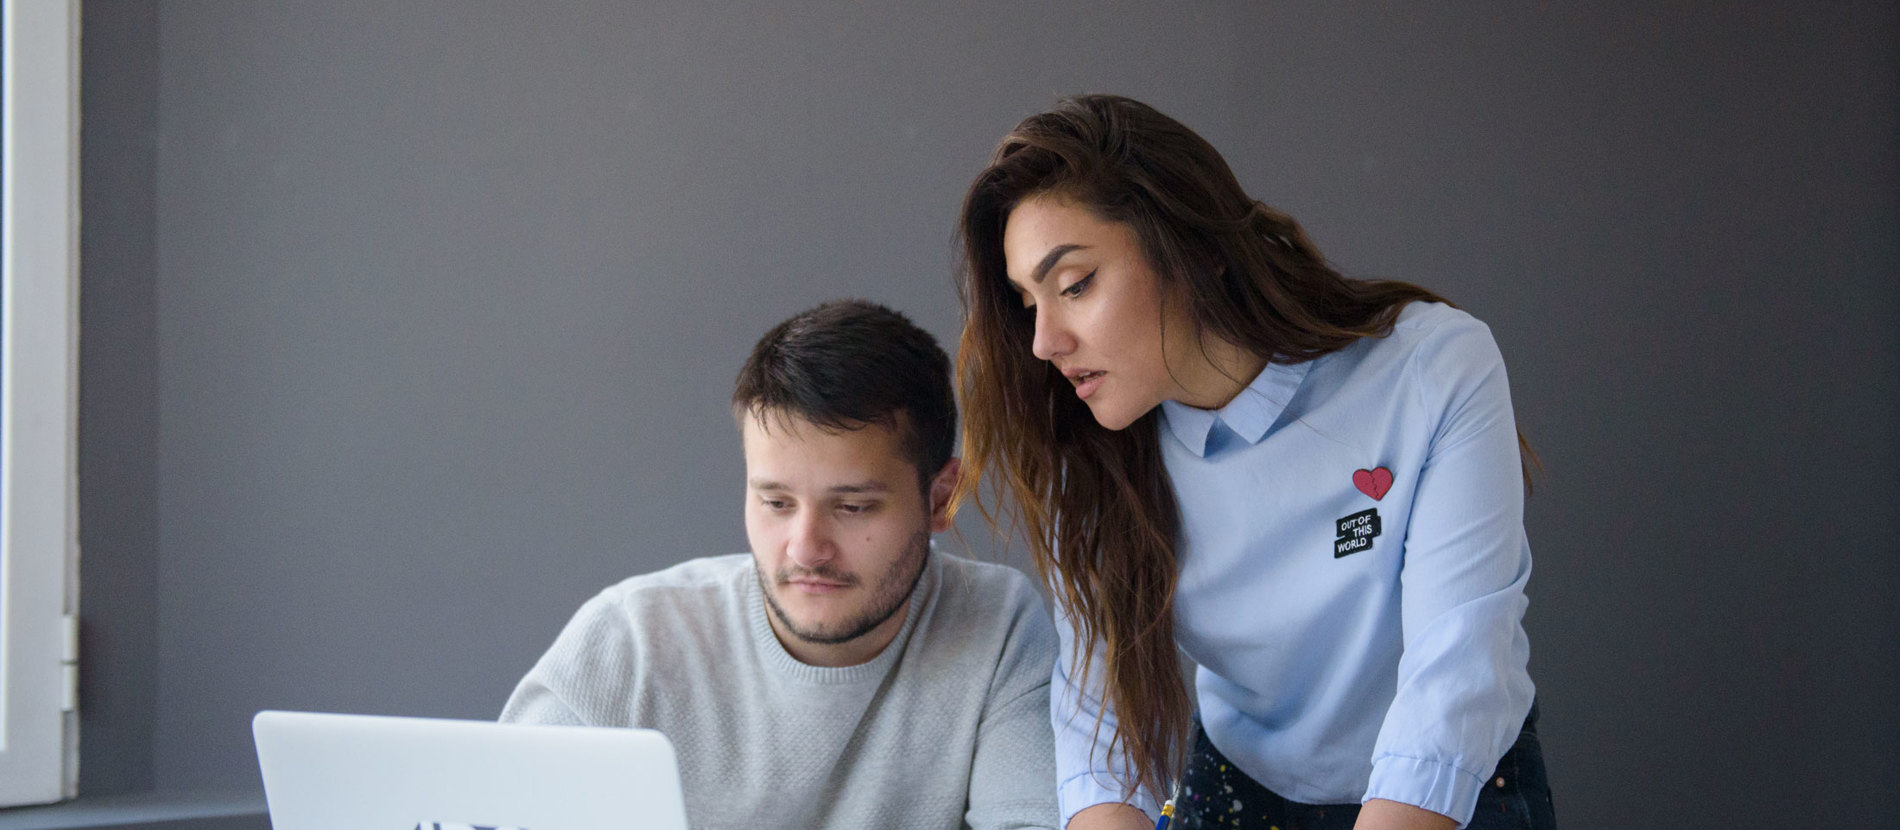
[
  {"x": 1431, "y": 785},
  {"x": 1083, "y": 791}
]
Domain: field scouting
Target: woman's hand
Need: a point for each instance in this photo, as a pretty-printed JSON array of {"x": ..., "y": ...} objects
[
  {"x": 1380, "y": 814},
  {"x": 1111, "y": 817}
]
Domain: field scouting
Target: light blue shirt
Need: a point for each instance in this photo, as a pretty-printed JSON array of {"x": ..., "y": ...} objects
[{"x": 1352, "y": 579}]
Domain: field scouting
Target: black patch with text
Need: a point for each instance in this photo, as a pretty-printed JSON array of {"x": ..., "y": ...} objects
[{"x": 1356, "y": 532}]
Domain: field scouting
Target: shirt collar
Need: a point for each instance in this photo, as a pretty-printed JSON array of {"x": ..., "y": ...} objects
[{"x": 1248, "y": 415}]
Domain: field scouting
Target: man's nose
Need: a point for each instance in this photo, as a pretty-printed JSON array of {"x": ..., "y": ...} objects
[{"x": 810, "y": 542}]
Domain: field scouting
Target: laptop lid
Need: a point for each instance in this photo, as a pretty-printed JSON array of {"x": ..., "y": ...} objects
[{"x": 323, "y": 772}]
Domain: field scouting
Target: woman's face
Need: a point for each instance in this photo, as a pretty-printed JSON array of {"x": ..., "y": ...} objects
[{"x": 1100, "y": 315}]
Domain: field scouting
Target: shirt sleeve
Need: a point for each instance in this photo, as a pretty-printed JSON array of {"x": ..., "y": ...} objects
[
  {"x": 1463, "y": 686},
  {"x": 1086, "y": 774},
  {"x": 589, "y": 667},
  {"x": 1012, "y": 775}
]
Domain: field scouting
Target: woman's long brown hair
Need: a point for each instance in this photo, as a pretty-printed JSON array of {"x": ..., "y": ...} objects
[{"x": 1096, "y": 504}]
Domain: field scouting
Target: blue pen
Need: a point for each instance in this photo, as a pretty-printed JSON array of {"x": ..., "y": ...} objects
[{"x": 1167, "y": 808}]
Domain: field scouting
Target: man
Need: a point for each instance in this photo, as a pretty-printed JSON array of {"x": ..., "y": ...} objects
[{"x": 844, "y": 674}]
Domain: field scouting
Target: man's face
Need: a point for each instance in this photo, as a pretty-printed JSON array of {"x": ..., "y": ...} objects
[{"x": 840, "y": 529}]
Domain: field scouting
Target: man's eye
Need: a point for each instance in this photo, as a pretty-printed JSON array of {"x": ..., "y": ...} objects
[
  {"x": 853, "y": 509},
  {"x": 1079, "y": 286},
  {"x": 775, "y": 504}
]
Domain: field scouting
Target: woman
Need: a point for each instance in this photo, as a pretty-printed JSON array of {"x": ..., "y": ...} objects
[{"x": 1310, "y": 485}]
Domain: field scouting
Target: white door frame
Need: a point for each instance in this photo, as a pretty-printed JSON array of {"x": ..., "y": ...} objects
[{"x": 39, "y": 351}]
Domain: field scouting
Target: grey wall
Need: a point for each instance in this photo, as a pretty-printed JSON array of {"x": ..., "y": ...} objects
[
  {"x": 409, "y": 326},
  {"x": 118, "y": 401}
]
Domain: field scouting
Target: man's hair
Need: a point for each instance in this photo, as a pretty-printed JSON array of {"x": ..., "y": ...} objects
[{"x": 849, "y": 363}]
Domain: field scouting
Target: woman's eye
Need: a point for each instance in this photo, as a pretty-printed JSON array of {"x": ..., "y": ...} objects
[{"x": 1081, "y": 285}]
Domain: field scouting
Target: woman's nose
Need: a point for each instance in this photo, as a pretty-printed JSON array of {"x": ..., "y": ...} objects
[{"x": 1052, "y": 338}]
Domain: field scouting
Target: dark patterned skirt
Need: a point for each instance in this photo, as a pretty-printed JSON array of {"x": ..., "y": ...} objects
[{"x": 1215, "y": 793}]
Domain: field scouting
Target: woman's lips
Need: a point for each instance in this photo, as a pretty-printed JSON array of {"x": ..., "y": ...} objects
[{"x": 1086, "y": 383}]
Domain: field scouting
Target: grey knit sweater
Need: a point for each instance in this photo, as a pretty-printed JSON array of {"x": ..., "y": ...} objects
[{"x": 947, "y": 727}]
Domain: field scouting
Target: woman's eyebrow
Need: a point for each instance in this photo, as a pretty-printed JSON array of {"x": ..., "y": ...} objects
[{"x": 1050, "y": 259}]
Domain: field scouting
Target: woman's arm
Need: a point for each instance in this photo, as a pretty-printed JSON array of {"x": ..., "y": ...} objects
[
  {"x": 1380, "y": 814},
  {"x": 1463, "y": 689},
  {"x": 1111, "y": 817},
  {"x": 1087, "y": 776}
]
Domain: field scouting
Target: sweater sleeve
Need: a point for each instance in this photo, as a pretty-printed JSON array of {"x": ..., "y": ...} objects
[
  {"x": 1463, "y": 687},
  {"x": 585, "y": 677},
  {"x": 1012, "y": 775}
]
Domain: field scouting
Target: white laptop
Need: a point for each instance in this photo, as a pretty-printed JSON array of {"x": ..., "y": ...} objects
[{"x": 366, "y": 772}]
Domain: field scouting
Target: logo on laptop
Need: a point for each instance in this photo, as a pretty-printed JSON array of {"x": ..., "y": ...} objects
[{"x": 450, "y": 825}]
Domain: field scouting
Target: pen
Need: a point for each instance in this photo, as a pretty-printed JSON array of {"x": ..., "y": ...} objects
[{"x": 1167, "y": 808}]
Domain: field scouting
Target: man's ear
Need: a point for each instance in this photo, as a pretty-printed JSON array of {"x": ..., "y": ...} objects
[{"x": 942, "y": 485}]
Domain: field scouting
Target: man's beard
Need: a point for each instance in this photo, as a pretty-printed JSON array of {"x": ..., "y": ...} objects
[{"x": 886, "y": 597}]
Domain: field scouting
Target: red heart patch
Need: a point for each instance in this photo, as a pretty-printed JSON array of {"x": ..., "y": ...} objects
[{"x": 1373, "y": 483}]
